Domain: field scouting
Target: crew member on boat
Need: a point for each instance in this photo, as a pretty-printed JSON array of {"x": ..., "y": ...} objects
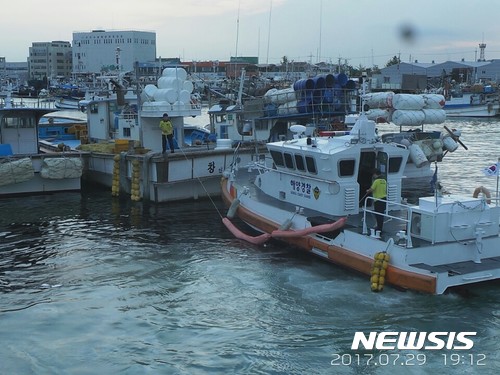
[
  {"x": 379, "y": 193},
  {"x": 167, "y": 131}
]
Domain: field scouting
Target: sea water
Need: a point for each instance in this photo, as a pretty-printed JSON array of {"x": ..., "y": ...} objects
[{"x": 92, "y": 284}]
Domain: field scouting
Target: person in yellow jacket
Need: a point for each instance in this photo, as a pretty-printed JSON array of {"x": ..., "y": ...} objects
[
  {"x": 167, "y": 133},
  {"x": 379, "y": 191}
]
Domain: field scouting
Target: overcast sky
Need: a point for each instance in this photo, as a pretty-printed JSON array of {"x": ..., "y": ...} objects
[{"x": 363, "y": 32}]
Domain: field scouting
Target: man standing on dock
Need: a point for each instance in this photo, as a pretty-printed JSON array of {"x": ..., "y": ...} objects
[{"x": 167, "y": 133}]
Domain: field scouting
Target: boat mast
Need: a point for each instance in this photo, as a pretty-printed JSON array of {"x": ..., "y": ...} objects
[
  {"x": 269, "y": 33},
  {"x": 237, "y": 31},
  {"x": 240, "y": 90}
]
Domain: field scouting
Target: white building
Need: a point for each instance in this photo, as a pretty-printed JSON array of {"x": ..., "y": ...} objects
[{"x": 104, "y": 51}]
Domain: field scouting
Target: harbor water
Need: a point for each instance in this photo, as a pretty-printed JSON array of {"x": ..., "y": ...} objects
[{"x": 92, "y": 284}]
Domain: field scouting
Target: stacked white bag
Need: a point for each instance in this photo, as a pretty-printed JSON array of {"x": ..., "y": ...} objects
[
  {"x": 173, "y": 88},
  {"x": 285, "y": 100},
  {"x": 406, "y": 109}
]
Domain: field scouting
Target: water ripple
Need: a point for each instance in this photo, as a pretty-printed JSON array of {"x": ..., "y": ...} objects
[{"x": 92, "y": 284}]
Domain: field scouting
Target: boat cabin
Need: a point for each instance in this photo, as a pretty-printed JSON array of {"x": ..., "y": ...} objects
[
  {"x": 19, "y": 130},
  {"x": 331, "y": 175}
]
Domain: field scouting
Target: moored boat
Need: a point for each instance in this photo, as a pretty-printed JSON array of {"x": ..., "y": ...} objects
[
  {"x": 307, "y": 192},
  {"x": 24, "y": 167},
  {"x": 321, "y": 103},
  {"x": 63, "y": 126},
  {"x": 484, "y": 101},
  {"x": 124, "y": 143},
  {"x": 65, "y": 103},
  {"x": 411, "y": 115}
]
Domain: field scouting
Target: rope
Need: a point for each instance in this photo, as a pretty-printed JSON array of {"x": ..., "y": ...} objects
[{"x": 202, "y": 185}]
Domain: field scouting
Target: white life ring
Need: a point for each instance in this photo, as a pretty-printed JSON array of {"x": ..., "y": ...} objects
[{"x": 485, "y": 192}]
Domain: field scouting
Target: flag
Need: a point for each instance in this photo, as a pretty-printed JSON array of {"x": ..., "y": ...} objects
[
  {"x": 434, "y": 179},
  {"x": 492, "y": 170}
]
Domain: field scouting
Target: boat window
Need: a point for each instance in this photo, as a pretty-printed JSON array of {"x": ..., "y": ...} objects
[
  {"x": 289, "y": 160},
  {"x": 395, "y": 164},
  {"x": 311, "y": 165},
  {"x": 346, "y": 167},
  {"x": 18, "y": 122},
  {"x": 277, "y": 158},
  {"x": 299, "y": 162},
  {"x": 382, "y": 159},
  {"x": 220, "y": 118}
]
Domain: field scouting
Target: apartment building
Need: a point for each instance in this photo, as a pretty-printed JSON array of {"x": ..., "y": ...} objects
[{"x": 49, "y": 60}]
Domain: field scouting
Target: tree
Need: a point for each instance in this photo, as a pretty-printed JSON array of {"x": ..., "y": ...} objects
[{"x": 394, "y": 61}]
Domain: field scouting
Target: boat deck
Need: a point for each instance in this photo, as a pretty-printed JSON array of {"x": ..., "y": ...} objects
[
  {"x": 462, "y": 268},
  {"x": 354, "y": 223}
]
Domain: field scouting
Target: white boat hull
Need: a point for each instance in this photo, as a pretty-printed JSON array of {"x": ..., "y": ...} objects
[
  {"x": 188, "y": 174},
  {"x": 39, "y": 179},
  {"x": 432, "y": 246},
  {"x": 486, "y": 110},
  {"x": 425, "y": 268}
]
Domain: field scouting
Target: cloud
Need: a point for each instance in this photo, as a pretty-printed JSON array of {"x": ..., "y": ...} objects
[{"x": 168, "y": 9}]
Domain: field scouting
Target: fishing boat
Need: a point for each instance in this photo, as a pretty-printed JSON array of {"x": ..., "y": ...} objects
[
  {"x": 409, "y": 116},
  {"x": 328, "y": 108},
  {"x": 63, "y": 125},
  {"x": 71, "y": 103},
  {"x": 25, "y": 167},
  {"x": 484, "y": 101},
  {"x": 321, "y": 103},
  {"x": 308, "y": 192},
  {"x": 124, "y": 143}
]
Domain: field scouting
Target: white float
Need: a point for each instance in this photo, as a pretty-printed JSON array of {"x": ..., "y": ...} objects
[
  {"x": 408, "y": 117},
  {"x": 408, "y": 101}
]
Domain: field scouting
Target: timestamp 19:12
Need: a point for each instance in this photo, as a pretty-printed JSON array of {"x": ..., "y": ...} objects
[{"x": 455, "y": 359}]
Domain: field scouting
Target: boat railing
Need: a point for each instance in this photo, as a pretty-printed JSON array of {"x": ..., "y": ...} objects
[
  {"x": 16, "y": 103},
  {"x": 405, "y": 220}
]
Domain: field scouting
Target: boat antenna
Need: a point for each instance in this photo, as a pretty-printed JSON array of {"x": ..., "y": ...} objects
[
  {"x": 237, "y": 31},
  {"x": 435, "y": 183},
  {"x": 269, "y": 32},
  {"x": 320, "y": 27},
  {"x": 240, "y": 90}
]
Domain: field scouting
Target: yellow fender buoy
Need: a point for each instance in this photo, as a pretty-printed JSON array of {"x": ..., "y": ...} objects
[
  {"x": 378, "y": 272},
  {"x": 135, "y": 191},
  {"x": 115, "y": 186}
]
